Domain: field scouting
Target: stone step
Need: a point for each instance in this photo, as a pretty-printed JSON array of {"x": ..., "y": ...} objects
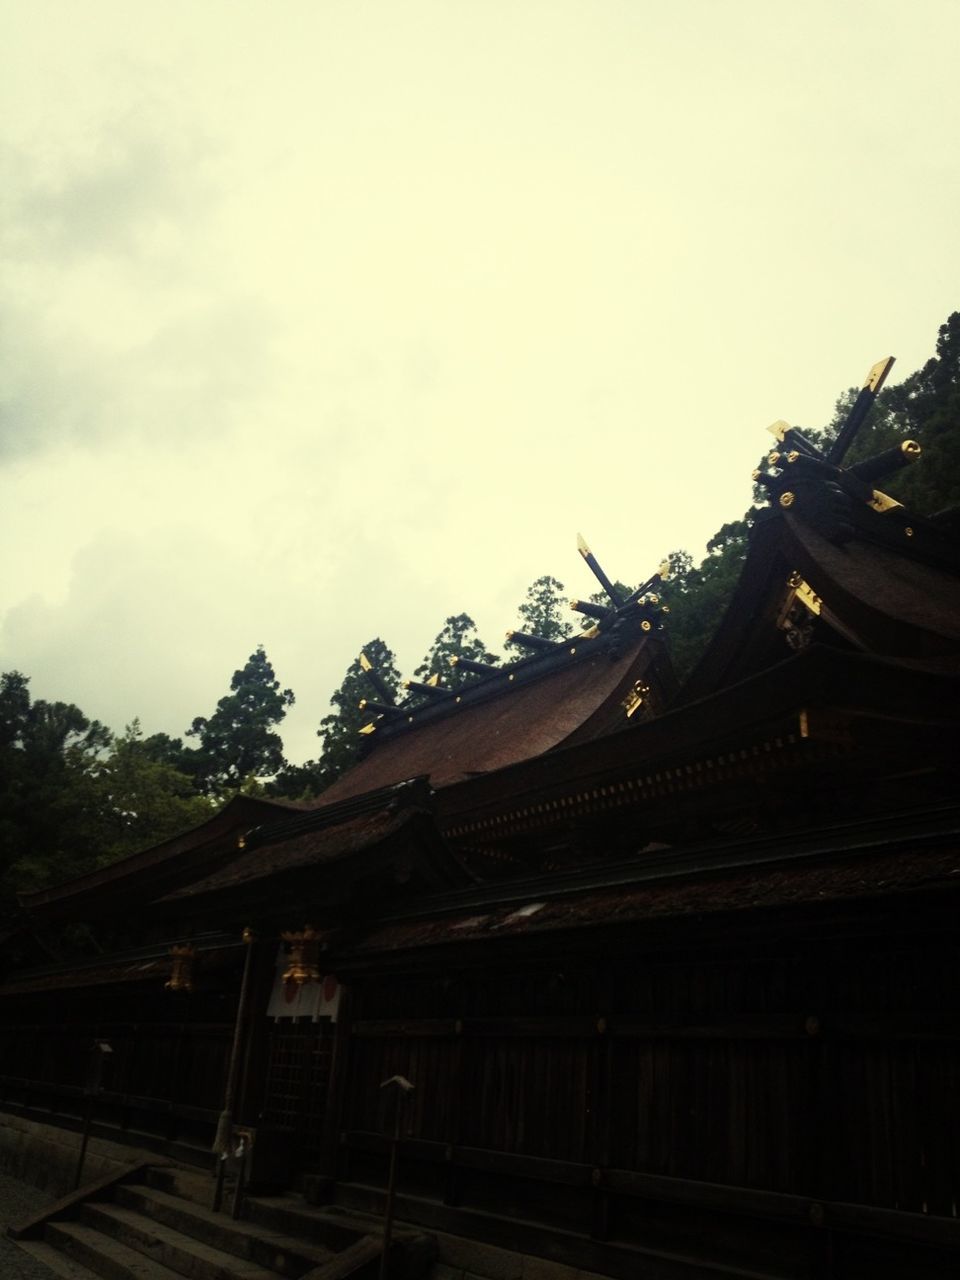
[
  {"x": 412, "y": 1252},
  {"x": 56, "y": 1262},
  {"x": 287, "y": 1255},
  {"x": 145, "y": 1232},
  {"x": 359, "y": 1261},
  {"x": 182, "y": 1254},
  {"x": 329, "y": 1224},
  {"x": 107, "y": 1259},
  {"x": 188, "y": 1184}
]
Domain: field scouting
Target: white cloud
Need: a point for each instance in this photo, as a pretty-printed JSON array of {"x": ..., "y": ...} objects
[{"x": 328, "y": 321}]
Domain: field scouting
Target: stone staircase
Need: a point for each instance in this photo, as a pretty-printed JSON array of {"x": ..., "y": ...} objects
[{"x": 159, "y": 1226}]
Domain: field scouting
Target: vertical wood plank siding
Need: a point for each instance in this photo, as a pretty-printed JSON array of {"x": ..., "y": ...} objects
[{"x": 829, "y": 1071}]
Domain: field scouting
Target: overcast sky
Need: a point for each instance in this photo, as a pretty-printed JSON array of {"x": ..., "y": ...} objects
[{"x": 326, "y": 319}]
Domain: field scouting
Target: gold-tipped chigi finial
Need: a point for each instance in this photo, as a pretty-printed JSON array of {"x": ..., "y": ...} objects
[
  {"x": 595, "y": 568},
  {"x": 779, "y": 429},
  {"x": 365, "y": 663},
  {"x": 878, "y": 373}
]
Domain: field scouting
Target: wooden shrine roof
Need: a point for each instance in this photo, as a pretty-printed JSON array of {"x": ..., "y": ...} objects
[
  {"x": 330, "y": 852},
  {"x": 161, "y": 866},
  {"x": 816, "y": 696},
  {"x": 573, "y": 695},
  {"x": 885, "y": 583},
  {"x": 545, "y": 747},
  {"x": 852, "y": 861},
  {"x": 153, "y": 968}
]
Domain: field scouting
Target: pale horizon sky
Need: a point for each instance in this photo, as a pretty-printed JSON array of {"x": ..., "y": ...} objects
[{"x": 327, "y": 320}]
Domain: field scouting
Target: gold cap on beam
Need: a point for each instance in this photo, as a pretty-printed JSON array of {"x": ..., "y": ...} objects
[{"x": 878, "y": 373}]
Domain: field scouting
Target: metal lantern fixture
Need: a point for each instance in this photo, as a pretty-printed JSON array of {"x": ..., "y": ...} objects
[
  {"x": 181, "y": 978},
  {"x": 304, "y": 948}
]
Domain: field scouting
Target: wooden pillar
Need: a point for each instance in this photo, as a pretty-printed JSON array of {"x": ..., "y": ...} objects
[
  {"x": 452, "y": 1193},
  {"x": 250, "y": 1099},
  {"x": 602, "y": 1089},
  {"x": 334, "y": 1120}
]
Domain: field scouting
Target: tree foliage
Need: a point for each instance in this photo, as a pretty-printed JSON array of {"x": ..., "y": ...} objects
[
  {"x": 238, "y": 742},
  {"x": 697, "y": 595},
  {"x": 924, "y": 407},
  {"x": 72, "y": 798},
  {"x": 134, "y": 800},
  {"x": 44, "y": 750},
  {"x": 458, "y": 639},
  {"x": 339, "y": 730},
  {"x": 544, "y": 612}
]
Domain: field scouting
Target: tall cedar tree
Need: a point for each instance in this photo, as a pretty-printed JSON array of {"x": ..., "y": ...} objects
[
  {"x": 458, "y": 639},
  {"x": 340, "y": 731},
  {"x": 237, "y": 742},
  {"x": 545, "y": 612}
]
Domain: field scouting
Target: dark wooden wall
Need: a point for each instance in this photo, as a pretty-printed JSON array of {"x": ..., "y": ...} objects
[
  {"x": 160, "y": 1087},
  {"x": 675, "y": 1099}
]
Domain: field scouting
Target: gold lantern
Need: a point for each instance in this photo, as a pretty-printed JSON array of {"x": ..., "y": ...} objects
[
  {"x": 304, "y": 949},
  {"x": 181, "y": 977}
]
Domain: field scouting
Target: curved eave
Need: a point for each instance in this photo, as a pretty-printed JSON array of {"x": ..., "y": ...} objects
[
  {"x": 736, "y": 719},
  {"x": 746, "y": 638},
  {"x": 882, "y": 600},
  {"x": 875, "y": 595},
  {"x": 814, "y": 869},
  {"x": 384, "y": 849}
]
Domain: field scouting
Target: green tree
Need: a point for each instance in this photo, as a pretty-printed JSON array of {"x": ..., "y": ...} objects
[
  {"x": 238, "y": 741},
  {"x": 46, "y": 751},
  {"x": 458, "y": 639},
  {"x": 72, "y": 798},
  {"x": 545, "y": 612},
  {"x": 299, "y": 781},
  {"x": 601, "y": 598},
  {"x": 697, "y": 595},
  {"x": 924, "y": 407},
  {"x": 134, "y": 800},
  {"x": 340, "y": 730}
]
